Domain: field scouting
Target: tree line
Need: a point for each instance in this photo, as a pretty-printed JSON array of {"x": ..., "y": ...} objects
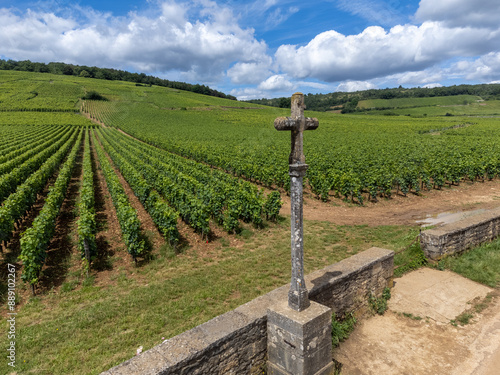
[
  {"x": 347, "y": 102},
  {"x": 107, "y": 74}
]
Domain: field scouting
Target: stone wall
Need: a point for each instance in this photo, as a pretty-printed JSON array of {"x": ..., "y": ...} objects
[
  {"x": 236, "y": 342},
  {"x": 456, "y": 237}
]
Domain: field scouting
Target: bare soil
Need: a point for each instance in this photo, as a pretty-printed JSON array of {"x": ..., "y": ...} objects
[
  {"x": 401, "y": 210},
  {"x": 420, "y": 344}
]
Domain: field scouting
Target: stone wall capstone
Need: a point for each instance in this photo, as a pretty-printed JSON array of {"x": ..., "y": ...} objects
[{"x": 456, "y": 237}]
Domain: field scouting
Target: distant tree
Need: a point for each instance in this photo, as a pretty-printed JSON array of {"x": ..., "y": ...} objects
[
  {"x": 85, "y": 74},
  {"x": 41, "y": 68},
  {"x": 26, "y": 66},
  {"x": 67, "y": 70},
  {"x": 94, "y": 95},
  {"x": 285, "y": 103},
  {"x": 99, "y": 75}
]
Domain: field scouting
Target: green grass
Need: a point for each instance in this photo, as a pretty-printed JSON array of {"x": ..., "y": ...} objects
[
  {"x": 487, "y": 108},
  {"x": 463, "y": 319},
  {"x": 411, "y": 316},
  {"x": 419, "y": 102},
  {"x": 378, "y": 305},
  {"x": 42, "y": 118},
  {"x": 482, "y": 264},
  {"x": 460, "y": 105},
  {"x": 342, "y": 328},
  {"x": 87, "y": 328}
]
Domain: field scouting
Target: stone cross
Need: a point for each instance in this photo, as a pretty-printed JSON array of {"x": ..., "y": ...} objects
[
  {"x": 298, "y": 298},
  {"x": 296, "y": 123}
]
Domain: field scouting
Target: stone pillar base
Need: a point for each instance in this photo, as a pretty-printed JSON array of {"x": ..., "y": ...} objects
[
  {"x": 275, "y": 370},
  {"x": 299, "y": 343}
]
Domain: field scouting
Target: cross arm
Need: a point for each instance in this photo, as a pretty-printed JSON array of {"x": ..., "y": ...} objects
[
  {"x": 289, "y": 123},
  {"x": 285, "y": 123}
]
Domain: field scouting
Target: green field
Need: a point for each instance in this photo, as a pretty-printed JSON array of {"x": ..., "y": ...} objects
[
  {"x": 458, "y": 105},
  {"x": 350, "y": 156},
  {"x": 420, "y": 102},
  {"x": 222, "y": 242}
]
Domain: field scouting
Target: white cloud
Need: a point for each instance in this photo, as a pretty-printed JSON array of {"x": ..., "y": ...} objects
[
  {"x": 377, "y": 11},
  {"x": 174, "y": 13},
  {"x": 248, "y": 93},
  {"x": 203, "y": 41},
  {"x": 250, "y": 72},
  {"x": 267, "y": 13},
  {"x": 202, "y": 48},
  {"x": 331, "y": 56},
  {"x": 276, "y": 83},
  {"x": 316, "y": 85},
  {"x": 423, "y": 77},
  {"x": 279, "y": 16},
  {"x": 279, "y": 86},
  {"x": 432, "y": 85},
  {"x": 460, "y": 13},
  {"x": 352, "y": 86},
  {"x": 485, "y": 68}
]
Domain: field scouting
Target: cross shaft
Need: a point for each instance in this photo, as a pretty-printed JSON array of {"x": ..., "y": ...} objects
[{"x": 298, "y": 298}]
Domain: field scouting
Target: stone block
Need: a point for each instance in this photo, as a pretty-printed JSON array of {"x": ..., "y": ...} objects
[
  {"x": 275, "y": 370},
  {"x": 299, "y": 343},
  {"x": 456, "y": 237}
]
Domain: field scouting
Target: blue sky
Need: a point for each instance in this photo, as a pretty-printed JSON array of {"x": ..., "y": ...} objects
[{"x": 265, "y": 48}]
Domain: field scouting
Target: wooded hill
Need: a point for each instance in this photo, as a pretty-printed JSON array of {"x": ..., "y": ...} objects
[
  {"x": 107, "y": 74},
  {"x": 348, "y": 102}
]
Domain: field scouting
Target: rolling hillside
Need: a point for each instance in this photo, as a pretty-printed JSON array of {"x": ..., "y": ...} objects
[{"x": 151, "y": 210}]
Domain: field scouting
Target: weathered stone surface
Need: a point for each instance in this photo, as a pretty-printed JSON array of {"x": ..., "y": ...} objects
[
  {"x": 299, "y": 343},
  {"x": 275, "y": 370},
  {"x": 344, "y": 286},
  {"x": 456, "y": 237},
  {"x": 236, "y": 342},
  {"x": 298, "y": 298},
  {"x": 296, "y": 124}
]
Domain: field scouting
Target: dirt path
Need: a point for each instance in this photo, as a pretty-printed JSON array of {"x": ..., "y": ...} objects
[
  {"x": 415, "y": 335},
  {"x": 401, "y": 210}
]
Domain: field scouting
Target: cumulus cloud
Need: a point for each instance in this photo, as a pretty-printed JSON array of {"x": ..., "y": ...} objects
[
  {"x": 248, "y": 93},
  {"x": 204, "y": 41},
  {"x": 331, "y": 56},
  {"x": 423, "y": 77},
  {"x": 352, "y": 86},
  {"x": 460, "y": 13},
  {"x": 316, "y": 85},
  {"x": 276, "y": 83},
  {"x": 432, "y": 85},
  {"x": 202, "y": 48},
  {"x": 250, "y": 72},
  {"x": 485, "y": 68}
]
